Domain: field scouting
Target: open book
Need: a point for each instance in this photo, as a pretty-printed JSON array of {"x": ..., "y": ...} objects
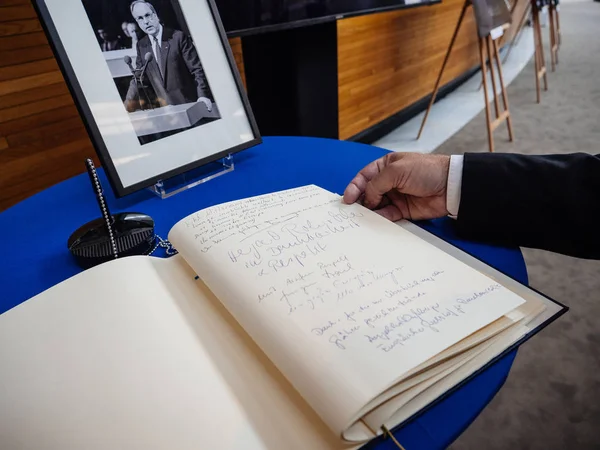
[{"x": 288, "y": 320}]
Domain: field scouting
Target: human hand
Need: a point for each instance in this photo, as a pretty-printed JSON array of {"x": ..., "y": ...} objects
[
  {"x": 403, "y": 186},
  {"x": 131, "y": 105},
  {"x": 207, "y": 102}
]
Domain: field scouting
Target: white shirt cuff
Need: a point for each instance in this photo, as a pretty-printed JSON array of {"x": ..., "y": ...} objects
[{"x": 453, "y": 189}]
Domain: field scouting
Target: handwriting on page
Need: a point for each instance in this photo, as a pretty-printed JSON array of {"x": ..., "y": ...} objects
[
  {"x": 219, "y": 223},
  {"x": 387, "y": 325},
  {"x": 385, "y": 322},
  {"x": 290, "y": 242},
  {"x": 304, "y": 258}
]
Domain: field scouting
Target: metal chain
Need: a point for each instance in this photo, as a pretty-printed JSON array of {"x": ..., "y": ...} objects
[{"x": 163, "y": 243}]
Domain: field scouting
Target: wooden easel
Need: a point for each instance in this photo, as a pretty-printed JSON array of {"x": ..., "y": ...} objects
[
  {"x": 518, "y": 31},
  {"x": 489, "y": 46},
  {"x": 555, "y": 6},
  {"x": 554, "y": 26},
  {"x": 540, "y": 63}
]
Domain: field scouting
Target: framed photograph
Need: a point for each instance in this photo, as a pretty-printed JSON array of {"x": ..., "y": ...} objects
[{"x": 155, "y": 82}]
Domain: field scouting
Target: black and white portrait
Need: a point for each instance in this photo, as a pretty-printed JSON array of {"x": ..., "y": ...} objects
[
  {"x": 155, "y": 82},
  {"x": 155, "y": 65}
]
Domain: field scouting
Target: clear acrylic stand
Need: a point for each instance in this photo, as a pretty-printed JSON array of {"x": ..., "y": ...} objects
[{"x": 168, "y": 188}]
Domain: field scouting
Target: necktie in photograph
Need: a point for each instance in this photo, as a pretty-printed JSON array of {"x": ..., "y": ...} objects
[{"x": 158, "y": 55}]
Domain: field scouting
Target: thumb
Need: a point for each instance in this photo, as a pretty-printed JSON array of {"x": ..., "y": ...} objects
[{"x": 381, "y": 184}]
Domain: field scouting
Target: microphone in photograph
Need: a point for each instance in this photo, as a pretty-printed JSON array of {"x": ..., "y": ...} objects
[
  {"x": 127, "y": 60},
  {"x": 148, "y": 57}
]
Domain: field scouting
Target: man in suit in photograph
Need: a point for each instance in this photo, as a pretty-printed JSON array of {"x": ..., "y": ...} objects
[
  {"x": 174, "y": 69},
  {"x": 108, "y": 41},
  {"x": 548, "y": 202}
]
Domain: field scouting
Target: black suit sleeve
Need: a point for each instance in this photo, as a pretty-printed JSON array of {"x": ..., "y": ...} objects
[
  {"x": 547, "y": 202},
  {"x": 192, "y": 60}
]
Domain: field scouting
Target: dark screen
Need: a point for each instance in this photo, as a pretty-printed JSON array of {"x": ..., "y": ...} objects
[{"x": 240, "y": 15}]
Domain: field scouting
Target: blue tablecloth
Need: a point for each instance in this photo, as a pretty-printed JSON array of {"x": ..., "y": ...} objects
[{"x": 35, "y": 234}]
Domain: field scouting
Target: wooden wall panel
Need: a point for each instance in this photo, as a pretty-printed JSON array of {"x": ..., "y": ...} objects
[
  {"x": 236, "y": 48},
  {"x": 388, "y": 61},
  {"x": 42, "y": 138}
]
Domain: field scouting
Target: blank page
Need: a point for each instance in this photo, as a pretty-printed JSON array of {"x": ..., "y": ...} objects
[{"x": 136, "y": 354}]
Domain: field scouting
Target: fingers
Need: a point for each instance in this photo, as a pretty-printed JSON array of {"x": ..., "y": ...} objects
[
  {"x": 355, "y": 189},
  {"x": 358, "y": 185},
  {"x": 390, "y": 212},
  {"x": 207, "y": 102},
  {"x": 400, "y": 202},
  {"x": 380, "y": 185}
]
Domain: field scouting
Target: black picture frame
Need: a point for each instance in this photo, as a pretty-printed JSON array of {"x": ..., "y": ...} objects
[{"x": 93, "y": 130}]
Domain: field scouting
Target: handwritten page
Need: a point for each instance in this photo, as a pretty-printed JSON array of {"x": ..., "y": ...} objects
[{"x": 341, "y": 300}]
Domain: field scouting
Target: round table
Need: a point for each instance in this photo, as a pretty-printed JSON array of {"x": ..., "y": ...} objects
[{"x": 35, "y": 234}]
